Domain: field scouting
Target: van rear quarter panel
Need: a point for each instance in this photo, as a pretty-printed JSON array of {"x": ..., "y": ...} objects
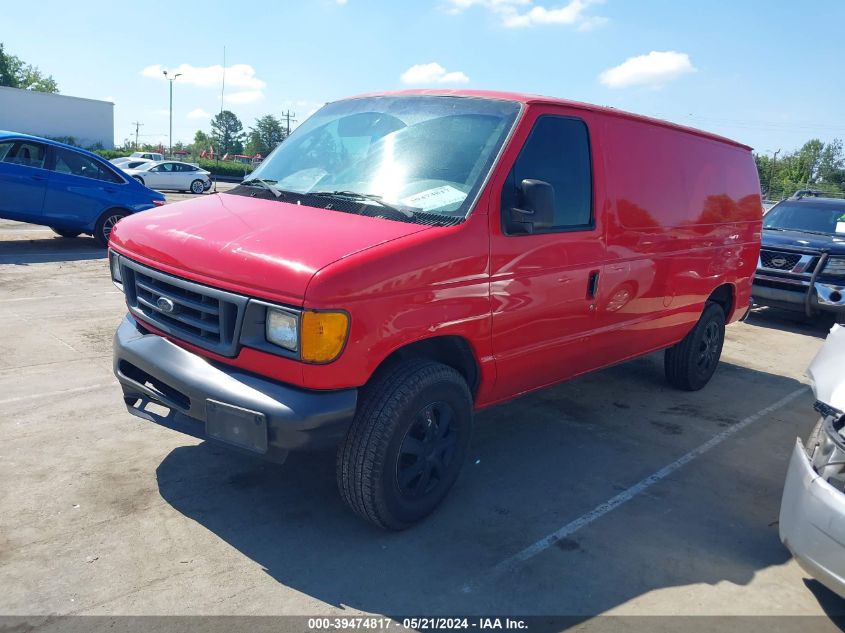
[{"x": 683, "y": 216}]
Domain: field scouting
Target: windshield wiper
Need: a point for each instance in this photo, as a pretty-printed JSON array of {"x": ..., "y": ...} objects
[
  {"x": 267, "y": 184},
  {"x": 354, "y": 195},
  {"x": 776, "y": 228}
]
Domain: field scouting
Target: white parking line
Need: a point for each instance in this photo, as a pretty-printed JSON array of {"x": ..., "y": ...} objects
[
  {"x": 511, "y": 563},
  {"x": 49, "y": 394}
]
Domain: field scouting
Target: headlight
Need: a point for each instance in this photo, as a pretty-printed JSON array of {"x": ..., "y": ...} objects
[
  {"x": 114, "y": 264},
  {"x": 835, "y": 266},
  {"x": 316, "y": 337},
  {"x": 282, "y": 329},
  {"x": 323, "y": 335}
]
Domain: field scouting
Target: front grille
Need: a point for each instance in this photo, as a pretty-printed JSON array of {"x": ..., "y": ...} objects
[
  {"x": 778, "y": 260},
  {"x": 207, "y": 317}
]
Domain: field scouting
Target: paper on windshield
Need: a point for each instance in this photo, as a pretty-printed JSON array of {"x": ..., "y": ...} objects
[{"x": 435, "y": 198}]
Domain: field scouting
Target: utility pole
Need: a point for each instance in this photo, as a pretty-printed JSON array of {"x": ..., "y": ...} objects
[
  {"x": 137, "y": 125},
  {"x": 171, "y": 80},
  {"x": 772, "y": 172},
  {"x": 289, "y": 118}
]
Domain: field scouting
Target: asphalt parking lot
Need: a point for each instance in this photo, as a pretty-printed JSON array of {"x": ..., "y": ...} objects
[{"x": 104, "y": 513}]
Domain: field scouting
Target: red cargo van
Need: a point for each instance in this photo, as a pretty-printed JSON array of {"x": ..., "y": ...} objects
[{"x": 405, "y": 259}]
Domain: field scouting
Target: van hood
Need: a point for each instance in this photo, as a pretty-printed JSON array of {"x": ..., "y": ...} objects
[
  {"x": 253, "y": 246},
  {"x": 834, "y": 243}
]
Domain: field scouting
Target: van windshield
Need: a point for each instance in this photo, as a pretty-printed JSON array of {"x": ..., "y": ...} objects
[
  {"x": 422, "y": 155},
  {"x": 827, "y": 219}
]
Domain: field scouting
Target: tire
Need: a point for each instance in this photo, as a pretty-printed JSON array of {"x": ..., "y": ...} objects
[
  {"x": 65, "y": 232},
  {"x": 103, "y": 227},
  {"x": 394, "y": 468},
  {"x": 690, "y": 364},
  {"x": 197, "y": 187},
  {"x": 139, "y": 179}
]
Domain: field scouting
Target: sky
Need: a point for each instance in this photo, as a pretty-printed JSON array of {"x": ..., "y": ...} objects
[{"x": 766, "y": 73}]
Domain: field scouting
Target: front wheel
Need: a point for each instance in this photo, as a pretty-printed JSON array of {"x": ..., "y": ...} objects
[
  {"x": 104, "y": 226},
  {"x": 691, "y": 363},
  {"x": 197, "y": 186},
  {"x": 407, "y": 443},
  {"x": 65, "y": 232}
]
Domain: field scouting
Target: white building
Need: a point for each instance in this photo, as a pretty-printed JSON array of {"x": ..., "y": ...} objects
[{"x": 88, "y": 122}]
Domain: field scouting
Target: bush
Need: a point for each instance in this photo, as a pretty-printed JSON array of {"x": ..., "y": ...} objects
[
  {"x": 108, "y": 154},
  {"x": 225, "y": 168}
]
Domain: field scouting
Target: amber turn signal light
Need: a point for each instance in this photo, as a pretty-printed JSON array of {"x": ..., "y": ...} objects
[{"x": 323, "y": 335}]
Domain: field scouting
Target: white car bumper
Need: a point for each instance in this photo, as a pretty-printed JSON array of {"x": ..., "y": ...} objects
[{"x": 812, "y": 522}]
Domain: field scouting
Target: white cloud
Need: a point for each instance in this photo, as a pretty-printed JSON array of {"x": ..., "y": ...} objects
[
  {"x": 237, "y": 75},
  {"x": 244, "y": 96},
  {"x": 342, "y": 1},
  {"x": 198, "y": 113},
  {"x": 654, "y": 70},
  {"x": 433, "y": 73},
  {"x": 522, "y": 13}
]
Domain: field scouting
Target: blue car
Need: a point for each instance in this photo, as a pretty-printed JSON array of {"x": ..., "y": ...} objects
[{"x": 66, "y": 188}]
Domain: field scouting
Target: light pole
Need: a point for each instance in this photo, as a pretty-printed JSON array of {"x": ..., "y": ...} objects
[{"x": 171, "y": 80}]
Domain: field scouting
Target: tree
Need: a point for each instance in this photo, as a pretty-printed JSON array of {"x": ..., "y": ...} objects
[
  {"x": 815, "y": 165},
  {"x": 227, "y": 133},
  {"x": 15, "y": 73},
  {"x": 265, "y": 136},
  {"x": 202, "y": 143}
]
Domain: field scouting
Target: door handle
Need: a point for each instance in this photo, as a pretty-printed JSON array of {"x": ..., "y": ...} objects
[{"x": 593, "y": 285}]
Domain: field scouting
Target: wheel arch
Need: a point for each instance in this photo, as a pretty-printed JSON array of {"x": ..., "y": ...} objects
[
  {"x": 724, "y": 296},
  {"x": 452, "y": 350}
]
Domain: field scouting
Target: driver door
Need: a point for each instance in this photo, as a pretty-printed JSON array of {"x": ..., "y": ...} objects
[
  {"x": 544, "y": 283},
  {"x": 162, "y": 176}
]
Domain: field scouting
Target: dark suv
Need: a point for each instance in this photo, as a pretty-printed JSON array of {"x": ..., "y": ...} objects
[{"x": 802, "y": 259}]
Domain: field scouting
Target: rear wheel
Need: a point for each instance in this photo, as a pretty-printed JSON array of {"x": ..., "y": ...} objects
[
  {"x": 197, "y": 186},
  {"x": 691, "y": 363},
  {"x": 65, "y": 232},
  {"x": 407, "y": 443},
  {"x": 104, "y": 226}
]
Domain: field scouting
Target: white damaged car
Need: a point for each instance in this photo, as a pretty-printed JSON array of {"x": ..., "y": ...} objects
[{"x": 812, "y": 513}]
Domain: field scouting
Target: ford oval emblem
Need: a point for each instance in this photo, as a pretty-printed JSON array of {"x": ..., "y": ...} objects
[{"x": 165, "y": 305}]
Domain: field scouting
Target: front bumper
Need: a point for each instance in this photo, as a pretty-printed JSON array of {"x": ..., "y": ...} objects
[
  {"x": 220, "y": 402},
  {"x": 823, "y": 296},
  {"x": 812, "y": 522}
]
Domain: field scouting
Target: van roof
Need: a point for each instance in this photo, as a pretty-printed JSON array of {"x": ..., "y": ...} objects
[{"x": 539, "y": 99}]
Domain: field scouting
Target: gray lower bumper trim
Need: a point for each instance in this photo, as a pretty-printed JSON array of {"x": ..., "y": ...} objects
[
  {"x": 151, "y": 368},
  {"x": 793, "y": 299}
]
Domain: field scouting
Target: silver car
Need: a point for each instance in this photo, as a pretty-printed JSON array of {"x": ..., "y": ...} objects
[{"x": 812, "y": 513}]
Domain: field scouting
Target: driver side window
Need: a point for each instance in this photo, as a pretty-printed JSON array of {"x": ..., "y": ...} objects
[{"x": 557, "y": 152}]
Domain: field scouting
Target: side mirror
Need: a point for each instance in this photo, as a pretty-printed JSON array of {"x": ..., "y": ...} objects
[{"x": 538, "y": 205}]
